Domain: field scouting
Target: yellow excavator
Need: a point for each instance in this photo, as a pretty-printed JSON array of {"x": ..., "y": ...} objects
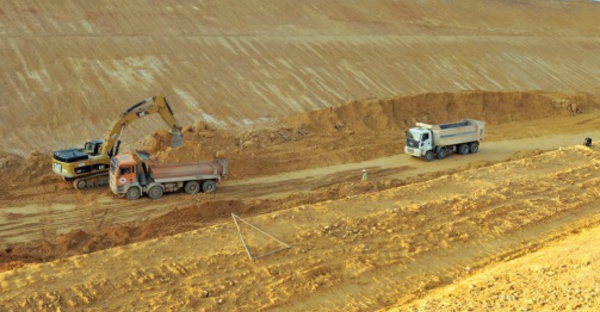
[{"x": 88, "y": 166}]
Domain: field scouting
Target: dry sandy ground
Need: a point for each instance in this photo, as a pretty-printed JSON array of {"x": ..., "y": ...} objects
[
  {"x": 301, "y": 95},
  {"x": 561, "y": 277},
  {"x": 362, "y": 252}
]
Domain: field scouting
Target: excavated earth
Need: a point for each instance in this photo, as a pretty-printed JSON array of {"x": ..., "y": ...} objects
[{"x": 300, "y": 97}]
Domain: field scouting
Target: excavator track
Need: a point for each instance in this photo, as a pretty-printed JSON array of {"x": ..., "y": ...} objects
[{"x": 91, "y": 181}]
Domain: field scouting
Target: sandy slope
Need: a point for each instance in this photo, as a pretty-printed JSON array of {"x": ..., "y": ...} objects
[
  {"x": 68, "y": 69},
  {"x": 569, "y": 282}
]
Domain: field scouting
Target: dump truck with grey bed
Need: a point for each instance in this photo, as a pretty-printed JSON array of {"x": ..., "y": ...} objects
[
  {"x": 134, "y": 174},
  {"x": 427, "y": 141}
]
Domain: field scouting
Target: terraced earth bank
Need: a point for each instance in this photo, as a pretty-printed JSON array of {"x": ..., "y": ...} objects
[
  {"x": 69, "y": 68},
  {"x": 301, "y": 96}
]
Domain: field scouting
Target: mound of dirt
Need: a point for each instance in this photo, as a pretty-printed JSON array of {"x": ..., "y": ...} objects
[
  {"x": 401, "y": 112},
  {"x": 357, "y": 130}
]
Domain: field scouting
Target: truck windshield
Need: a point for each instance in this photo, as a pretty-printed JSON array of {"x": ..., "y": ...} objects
[
  {"x": 413, "y": 139},
  {"x": 125, "y": 170}
]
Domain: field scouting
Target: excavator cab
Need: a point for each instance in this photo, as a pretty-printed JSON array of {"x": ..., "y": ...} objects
[{"x": 92, "y": 148}]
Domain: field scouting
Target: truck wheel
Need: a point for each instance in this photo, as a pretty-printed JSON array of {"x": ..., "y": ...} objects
[
  {"x": 463, "y": 149},
  {"x": 429, "y": 155},
  {"x": 155, "y": 192},
  {"x": 133, "y": 193},
  {"x": 474, "y": 147},
  {"x": 209, "y": 186},
  {"x": 192, "y": 187},
  {"x": 442, "y": 153}
]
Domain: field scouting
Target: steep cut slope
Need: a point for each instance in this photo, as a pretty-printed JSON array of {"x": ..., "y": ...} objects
[{"x": 68, "y": 69}]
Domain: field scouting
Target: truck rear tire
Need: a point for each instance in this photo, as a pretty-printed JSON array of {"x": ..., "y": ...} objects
[
  {"x": 428, "y": 156},
  {"x": 133, "y": 193},
  {"x": 442, "y": 153},
  {"x": 192, "y": 187},
  {"x": 209, "y": 186},
  {"x": 463, "y": 149},
  {"x": 155, "y": 192},
  {"x": 474, "y": 147}
]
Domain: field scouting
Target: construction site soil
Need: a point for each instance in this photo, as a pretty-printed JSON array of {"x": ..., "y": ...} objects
[{"x": 511, "y": 228}]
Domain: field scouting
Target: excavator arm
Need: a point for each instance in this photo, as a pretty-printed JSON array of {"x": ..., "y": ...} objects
[{"x": 155, "y": 104}]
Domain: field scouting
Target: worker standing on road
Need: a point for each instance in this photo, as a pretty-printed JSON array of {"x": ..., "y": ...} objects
[{"x": 364, "y": 175}]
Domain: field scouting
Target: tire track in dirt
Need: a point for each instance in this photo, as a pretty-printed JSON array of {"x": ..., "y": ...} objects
[{"x": 483, "y": 242}]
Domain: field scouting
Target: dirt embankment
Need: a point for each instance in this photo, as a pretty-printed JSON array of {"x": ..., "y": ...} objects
[
  {"x": 402, "y": 112},
  {"x": 352, "y": 132},
  {"x": 362, "y": 129}
]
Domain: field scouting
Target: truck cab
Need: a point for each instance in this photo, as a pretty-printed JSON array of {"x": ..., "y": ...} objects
[
  {"x": 123, "y": 175},
  {"x": 418, "y": 141}
]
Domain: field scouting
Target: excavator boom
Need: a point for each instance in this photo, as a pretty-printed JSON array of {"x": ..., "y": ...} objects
[{"x": 155, "y": 104}]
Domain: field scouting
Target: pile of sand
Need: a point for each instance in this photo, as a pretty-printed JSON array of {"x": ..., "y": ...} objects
[
  {"x": 399, "y": 113},
  {"x": 358, "y": 130}
]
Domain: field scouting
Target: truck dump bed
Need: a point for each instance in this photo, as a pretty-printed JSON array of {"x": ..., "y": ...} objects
[
  {"x": 182, "y": 171},
  {"x": 466, "y": 130}
]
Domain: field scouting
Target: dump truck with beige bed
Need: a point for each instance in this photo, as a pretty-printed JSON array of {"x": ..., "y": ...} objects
[
  {"x": 135, "y": 174},
  {"x": 428, "y": 141}
]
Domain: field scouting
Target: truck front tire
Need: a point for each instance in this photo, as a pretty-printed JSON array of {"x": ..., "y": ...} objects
[
  {"x": 209, "y": 186},
  {"x": 133, "y": 193},
  {"x": 155, "y": 192},
  {"x": 428, "y": 156}
]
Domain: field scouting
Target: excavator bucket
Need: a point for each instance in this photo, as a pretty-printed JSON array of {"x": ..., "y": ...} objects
[{"x": 176, "y": 139}]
